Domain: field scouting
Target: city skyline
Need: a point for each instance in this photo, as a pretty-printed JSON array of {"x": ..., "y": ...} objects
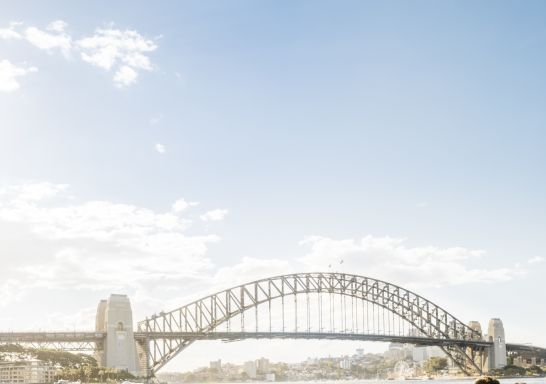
[{"x": 168, "y": 151}]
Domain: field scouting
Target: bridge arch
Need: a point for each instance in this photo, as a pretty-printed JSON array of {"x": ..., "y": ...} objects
[{"x": 178, "y": 329}]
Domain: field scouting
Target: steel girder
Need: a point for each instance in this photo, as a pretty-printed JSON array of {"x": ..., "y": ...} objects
[
  {"x": 76, "y": 346},
  {"x": 205, "y": 315},
  {"x": 66, "y": 341}
]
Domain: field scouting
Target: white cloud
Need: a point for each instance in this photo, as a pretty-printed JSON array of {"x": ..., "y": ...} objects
[
  {"x": 126, "y": 51},
  {"x": 9, "y": 74},
  {"x": 214, "y": 215},
  {"x": 160, "y": 148},
  {"x": 125, "y": 76},
  {"x": 154, "y": 120},
  {"x": 33, "y": 191},
  {"x": 50, "y": 41},
  {"x": 388, "y": 258},
  {"x": 383, "y": 258},
  {"x": 181, "y": 205},
  {"x": 536, "y": 260},
  {"x": 57, "y": 26},
  {"x": 94, "y": 245},
  {"x": 10, "y": 33},
  {"x": 250, "y": 269}
]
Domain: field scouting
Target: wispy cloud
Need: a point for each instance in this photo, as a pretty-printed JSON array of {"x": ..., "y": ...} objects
[
  {"x": 125, "y": 76},
  {"x": 181, "y": 205},
  {"x": 536, "y": 260},
  {"x": 10, "y": 33},
  {"x": 389, "y": 258},
  {"x": 53, "y": 38},
  {"x": 160, "y": 148},
  {"x": 9, "y": 74},
  {"x": 215, "y": 215},
  {"x": 96, "y": 244},
  {"x": 57, "y": 26},
  {"x": 123, "y": 52},
  {"x": 154, "y": 120},
  {"x": 384, "y": 258}
]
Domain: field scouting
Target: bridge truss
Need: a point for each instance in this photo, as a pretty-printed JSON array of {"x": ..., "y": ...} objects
[
  {"x": 66, "y": 341},
  {"x": 311, "y": 305}
]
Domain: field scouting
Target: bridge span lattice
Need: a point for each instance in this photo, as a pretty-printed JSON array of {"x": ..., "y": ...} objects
[{"x": 313, "y": 305}]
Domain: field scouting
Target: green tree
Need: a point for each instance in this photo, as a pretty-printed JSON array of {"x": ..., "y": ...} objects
[
  {"x": 511, "y": 370},
  {"x": 534, "y": 371},
  {"x": 435, "y": 364}
]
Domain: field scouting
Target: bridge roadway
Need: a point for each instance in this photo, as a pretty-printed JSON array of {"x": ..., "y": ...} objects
[
  {"x": 98, "y": 337},
  {"x": 51, "y": 337},
  {"x": 236, "y": 336}
]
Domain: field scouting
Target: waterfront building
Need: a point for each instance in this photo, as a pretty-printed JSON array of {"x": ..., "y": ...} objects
[
  {"x": 345, "y": 363},
  {"x": 419, "y": 354},
  {"x": 395, "y": 352},
  {"x": 520, "y": 362},
  {"x": 216, "y": 365},
  {"x": 312, "y": 361},
  {"x": 262, "y": 365},
  {"x": 250, "y": 369},
  {"x": 26, "y": 372}
]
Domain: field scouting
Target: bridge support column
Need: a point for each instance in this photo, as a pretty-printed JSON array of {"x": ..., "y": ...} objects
[
  {"x": 478, "y": 355},
  {"x": 496, "y": 355},
  {"x": 115, "y": 317},
  {"x": 143, "y": 353}
]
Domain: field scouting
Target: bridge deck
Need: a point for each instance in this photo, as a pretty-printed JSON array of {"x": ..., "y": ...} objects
[
  {"x": 90, "y": 337},
  {"x": 41, "y": 337},
  {"x": 234, "y": 336}
]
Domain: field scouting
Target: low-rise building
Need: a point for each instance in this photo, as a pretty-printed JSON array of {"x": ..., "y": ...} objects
[
  {"x": 250, "y": 369},
  {"x": 216, "y": 365},
  {"x": 262, "y": 365},
  {"x": 26, "y": 372},
  {"x": 345, "y": 363}
]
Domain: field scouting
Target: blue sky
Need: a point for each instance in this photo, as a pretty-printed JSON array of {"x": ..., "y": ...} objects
[{"x": 295, "y": 125}]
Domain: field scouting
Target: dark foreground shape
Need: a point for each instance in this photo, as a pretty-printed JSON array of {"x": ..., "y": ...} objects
[{"x": 487, "y": 380}]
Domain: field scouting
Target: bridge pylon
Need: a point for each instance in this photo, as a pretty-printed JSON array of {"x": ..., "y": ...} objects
[
  {"x": 496, "y": 357},
  {"x": 115, "y": 318}
]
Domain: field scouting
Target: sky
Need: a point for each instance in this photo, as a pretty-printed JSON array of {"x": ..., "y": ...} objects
[{"x": 169, "y": 150}]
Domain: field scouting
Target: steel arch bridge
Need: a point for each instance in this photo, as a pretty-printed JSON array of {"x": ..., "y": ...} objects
[
  {"x": 318, "y": 306},
  {"x": 331, "y": 306}
]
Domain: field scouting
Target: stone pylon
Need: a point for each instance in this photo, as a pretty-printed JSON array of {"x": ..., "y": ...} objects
[
  {"x": 497, "y": 353},
  {"x": 115, "y": 318}
]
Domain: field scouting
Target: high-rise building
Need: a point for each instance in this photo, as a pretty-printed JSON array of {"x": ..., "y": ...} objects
[{"x": 345, "y": 363}]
